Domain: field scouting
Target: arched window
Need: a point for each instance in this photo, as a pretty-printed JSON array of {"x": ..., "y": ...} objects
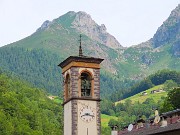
[
  {"x": 85, "y": 85},
  {"x": 67, "y": 87}
]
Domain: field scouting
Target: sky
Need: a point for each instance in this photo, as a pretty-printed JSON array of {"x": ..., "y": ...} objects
[{"x": 129, "y": 21}]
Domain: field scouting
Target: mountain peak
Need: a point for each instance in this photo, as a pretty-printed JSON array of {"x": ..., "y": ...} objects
[
  {"x": 86, "y": 25},
  {"x": 169, "y": 31},
  {"x": 83, "y": 20}
]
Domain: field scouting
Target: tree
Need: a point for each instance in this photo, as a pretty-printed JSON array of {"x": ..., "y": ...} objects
[
  {"x": 166, "y": 106},
  {"x": 169, "y": 84},
  {"x": 27, "y": 110},
  {"x": 107, "y": 107},
  {"x": 112, "y": 122},
  {"x": 105, "y": 130},
  {"x": 120, "y": 107},
  {"x": 173, "y": 97},
  {"x": 172, "y": 101}
]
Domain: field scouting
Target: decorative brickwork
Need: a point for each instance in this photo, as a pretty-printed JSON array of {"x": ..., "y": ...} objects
[
  {"x": 96, "y": 83},
  {"x": 98, "y": 118},
  {"x": 74, "y": 117},
  {"x": 64, "y": 86},
  {"x": 74, "y": 81}
]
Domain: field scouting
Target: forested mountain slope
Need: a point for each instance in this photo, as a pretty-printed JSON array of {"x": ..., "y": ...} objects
[
  {"x": 39, "y": 67},
  {"x": 152, "y": 80},
  {"x": 27, "y": 110}
]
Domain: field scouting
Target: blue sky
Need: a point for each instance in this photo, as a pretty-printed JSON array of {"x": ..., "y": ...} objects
[{"x": 130, "y": 21}]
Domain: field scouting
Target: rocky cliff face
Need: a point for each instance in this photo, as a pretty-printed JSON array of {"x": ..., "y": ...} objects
[
  {"x": 84, "y": 24},
  {"x": 176, "y": 49},
  {"x": 169, "y": 31}
]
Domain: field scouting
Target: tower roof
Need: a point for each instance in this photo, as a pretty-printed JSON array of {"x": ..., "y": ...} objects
[{"x": 80, "y": 59}]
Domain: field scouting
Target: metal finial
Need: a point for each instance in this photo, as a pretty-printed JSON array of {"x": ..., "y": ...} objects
[{"x": 80, "y": 48}]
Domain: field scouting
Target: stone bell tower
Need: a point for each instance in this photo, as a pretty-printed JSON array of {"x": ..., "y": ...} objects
[{"x": 81, "y": 85}]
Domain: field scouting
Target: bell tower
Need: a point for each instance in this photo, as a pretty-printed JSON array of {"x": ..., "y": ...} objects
[{"x": 81, "y": 84}]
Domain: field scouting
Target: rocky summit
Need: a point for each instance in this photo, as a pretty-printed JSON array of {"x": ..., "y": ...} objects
[
  {"x": 169, "y": 31},
  {"x": 84, "y": 24}
]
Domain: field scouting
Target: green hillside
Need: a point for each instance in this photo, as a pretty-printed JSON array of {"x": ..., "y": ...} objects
[
  {"x": 141, "y": 98},
  {"x": 155, "y": 79},
  {"x": 27, "y": 110},
  {"x": 38, "y": 67}
]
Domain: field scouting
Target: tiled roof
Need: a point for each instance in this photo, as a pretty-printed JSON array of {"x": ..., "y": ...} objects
[
  {"x": 173, "y": 125},
  {"x": 153, "y": 130}
]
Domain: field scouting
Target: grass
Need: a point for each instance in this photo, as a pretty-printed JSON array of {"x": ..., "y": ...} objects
[
  {"x": 58, "y": 100},
  {"x": 105, "y": 119},
  {"x": 139, "y": 98}
]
